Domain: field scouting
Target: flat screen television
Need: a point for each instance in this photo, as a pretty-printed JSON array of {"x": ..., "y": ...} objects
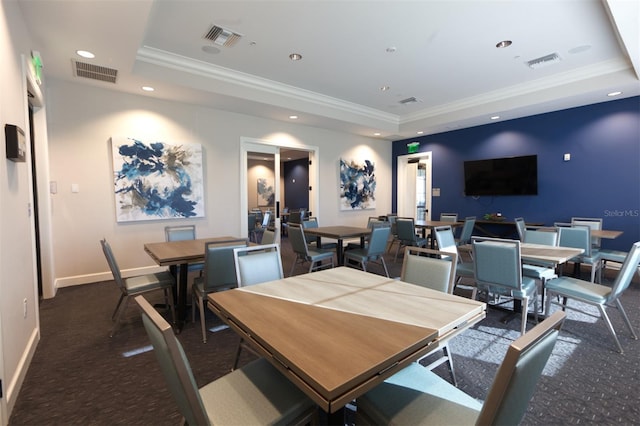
[{"x": 502, "y": 176}]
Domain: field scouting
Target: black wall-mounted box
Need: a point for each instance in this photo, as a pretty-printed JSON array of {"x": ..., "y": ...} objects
[{"x": 16, "y": 142}]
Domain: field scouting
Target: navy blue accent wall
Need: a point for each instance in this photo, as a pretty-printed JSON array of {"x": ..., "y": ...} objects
[
  {"x": 296, "y": 184},
  {"x": 602, "y": 179}
]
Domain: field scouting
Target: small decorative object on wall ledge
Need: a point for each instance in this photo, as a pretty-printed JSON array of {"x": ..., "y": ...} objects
[
  {"x": 157, "y": 180},
  {"x": 357, "y": 185},
  {"x": 266, "y": 193}
]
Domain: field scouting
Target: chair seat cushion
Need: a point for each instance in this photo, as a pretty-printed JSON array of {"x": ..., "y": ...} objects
[
  {"x": 255, "y": 394},
  {"x": 613, "y": 255},
  {"x": 415, "y": 395},
  {"x": 538, "y": 272},
  {"x": 319, "y": 254},
  {"x": 528, "y": 288},
  {"x": 465, "y": 269},
  {"x": 142, "y": 283},
  {"x": 580, "y": 289}
]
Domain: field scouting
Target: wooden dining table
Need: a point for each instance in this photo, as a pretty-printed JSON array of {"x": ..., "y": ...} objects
[
  {"x": 338, "y": 233},
  {"x": 339, "y": 332},
  {"x": 183, "y": 253}
]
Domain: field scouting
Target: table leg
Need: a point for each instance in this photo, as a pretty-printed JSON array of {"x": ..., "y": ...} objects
[
  {"x": 182, "y": 296},
  {"x": 433, "y": 237},
  {"x": 340, "y": 252}
]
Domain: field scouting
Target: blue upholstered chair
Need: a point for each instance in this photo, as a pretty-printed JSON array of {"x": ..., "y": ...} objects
[
  {"x": 255, "y": 265},
  {"x": 183, "y": 233},
  {"x": 269, "y": 236},
  {"x": 133, "y": 286},
  {"x": 448, "y": 217},
  {"x": 541, "y": 271},
  {"x": 416, "y": 396},
  {"x": 447, "y": 243},
  {"x": 436, "y": 270},
  {"x": 580, "y": 237},
  {"x": 498, "y": 271},
  {"x": 407, "y": 235},
  {"x": 595, "y": 294},
  {"x": 594, "y": 224},
  {"x": 373, "y": 252},
  {"x": 312, "y": 222},
  {"x": 303, "y": 253},
  {"x": 467, "y": 231},
  {"x": 219, "y": 274},
  {"x": 255, "y": 394},
  {"x": 521, "y": 227}
]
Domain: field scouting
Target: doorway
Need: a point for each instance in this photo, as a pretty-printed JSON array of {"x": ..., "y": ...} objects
[
  {"x": 271, "y": 152},
  {"x": 414, "y": 185}
]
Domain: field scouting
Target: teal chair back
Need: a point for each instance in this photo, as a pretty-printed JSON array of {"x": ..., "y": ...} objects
[
  {"x": 547, "y": 238},
  {"x": 516, "y": 379},
  {"x": 445, "y": 239},
  {"x": 269, "y": 236},
  {"x": 113, "y": 265},
  {"x": 219, "y": 267},
  {"x": 576, "y": 237},
  {"x": 497, "y": 262},
  {"x": 174, "y": 365},
  {"x": 257, "y": 264},
  {"x": 311, "y": 222},
  {"x": 467, "y": 230},
  {"x": 406, "y": 230},
  {"x": 521, "y": 227},
  {"x": 378, "y": 241},
  {"x": 298, "y": 240},
  {"x": 449, "y": 217},
  {"x": 429, "y": 268},
  {"x": 629, "y": 267},
  {"x": 594, "y": 223},
  {"x": 180, "y": 233}
]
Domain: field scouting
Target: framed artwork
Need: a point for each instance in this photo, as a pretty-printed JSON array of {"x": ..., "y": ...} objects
[
  {"x": 266, "y": 192},
  {"x": 157, "y": 180},
  {"x": 357, "y": 185}
]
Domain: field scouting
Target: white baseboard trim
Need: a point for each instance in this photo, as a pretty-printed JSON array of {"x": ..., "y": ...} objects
[
  {"x": 104, "y": 276},
  {"x": 15, "y": 384}
]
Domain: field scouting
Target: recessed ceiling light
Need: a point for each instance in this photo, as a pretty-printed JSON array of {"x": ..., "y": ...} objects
[
  {"x": 293, "y": 117},
  {"x": 614, "y": 93},
  {"x": 85, "y": 54},
  {"x": 503, "y": 44},
  {"x": 376, "y": 134},
  {"x": 495, "y": 117},
  {"x": 420, "y": 132},
  {"x": 148, "y": 88},
  {"x": 295, "y": 56}
]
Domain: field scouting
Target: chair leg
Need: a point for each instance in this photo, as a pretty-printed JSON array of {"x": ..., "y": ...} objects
[
  {"x": 235, "y": 361},
  {"x": 168, "y": 292},
  {"x": 115, "y": 311},
  {"x": 120, "y": 311},
  {"x": 626, "y": 318},
  {"x": 525, "y": 309},
  {"x": 202, "y": 319},
  {"x": 448, "y": 354},
  {"x": 293, "y": 266},
  {"x": 605, "y": 317},
  {"x": 386, "y": 271}
]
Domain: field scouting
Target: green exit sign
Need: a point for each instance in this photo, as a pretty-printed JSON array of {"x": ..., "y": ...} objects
[{"x": 413, "y": 147}]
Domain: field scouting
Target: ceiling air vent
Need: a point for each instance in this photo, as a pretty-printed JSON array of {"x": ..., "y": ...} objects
[
  {"x": 410, "y": 100},
  {"x": 543, "y": 61},
  {"x": 94, "y": 72},
  {"x": 222, "y": 36}
]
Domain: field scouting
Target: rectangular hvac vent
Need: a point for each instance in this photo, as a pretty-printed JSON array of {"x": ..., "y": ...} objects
[
  {"x": 94, "y": 72},
  {"x": 544, "y": 61},
  {"x": 409, "y": 100},
  {"x": 222, "y": 36}
]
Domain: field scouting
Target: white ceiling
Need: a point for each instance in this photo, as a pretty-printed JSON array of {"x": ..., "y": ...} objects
[{"x": 441, "y": 52}]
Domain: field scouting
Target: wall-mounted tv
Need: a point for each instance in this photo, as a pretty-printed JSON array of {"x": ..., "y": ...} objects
[{"x": 502, "y": 176}]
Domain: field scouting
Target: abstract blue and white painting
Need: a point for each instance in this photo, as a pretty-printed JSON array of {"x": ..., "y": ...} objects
[
  {"x": 266, "y": 192},
  {"x": 157, "y": 180},
  {"x": 357, "y": 185}
]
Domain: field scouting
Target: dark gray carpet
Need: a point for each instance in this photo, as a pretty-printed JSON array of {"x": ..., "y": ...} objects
[{"x": 79, "y": 376}]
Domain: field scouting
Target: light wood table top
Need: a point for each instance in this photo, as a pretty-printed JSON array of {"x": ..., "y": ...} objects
[
  {"x": 607, "y": 234},
  {"x": 540, "y": 252},
  {"x": 338, "y": 232},
  {"x": 339, "y": 332}
]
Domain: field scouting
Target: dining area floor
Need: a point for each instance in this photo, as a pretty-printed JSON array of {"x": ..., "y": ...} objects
[{"x": 79, "y": 375}]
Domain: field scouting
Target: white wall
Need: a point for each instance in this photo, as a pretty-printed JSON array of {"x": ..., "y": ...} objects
[
  {"x": 81, "y": 121},
  {"x": 18, "y": 334}
]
